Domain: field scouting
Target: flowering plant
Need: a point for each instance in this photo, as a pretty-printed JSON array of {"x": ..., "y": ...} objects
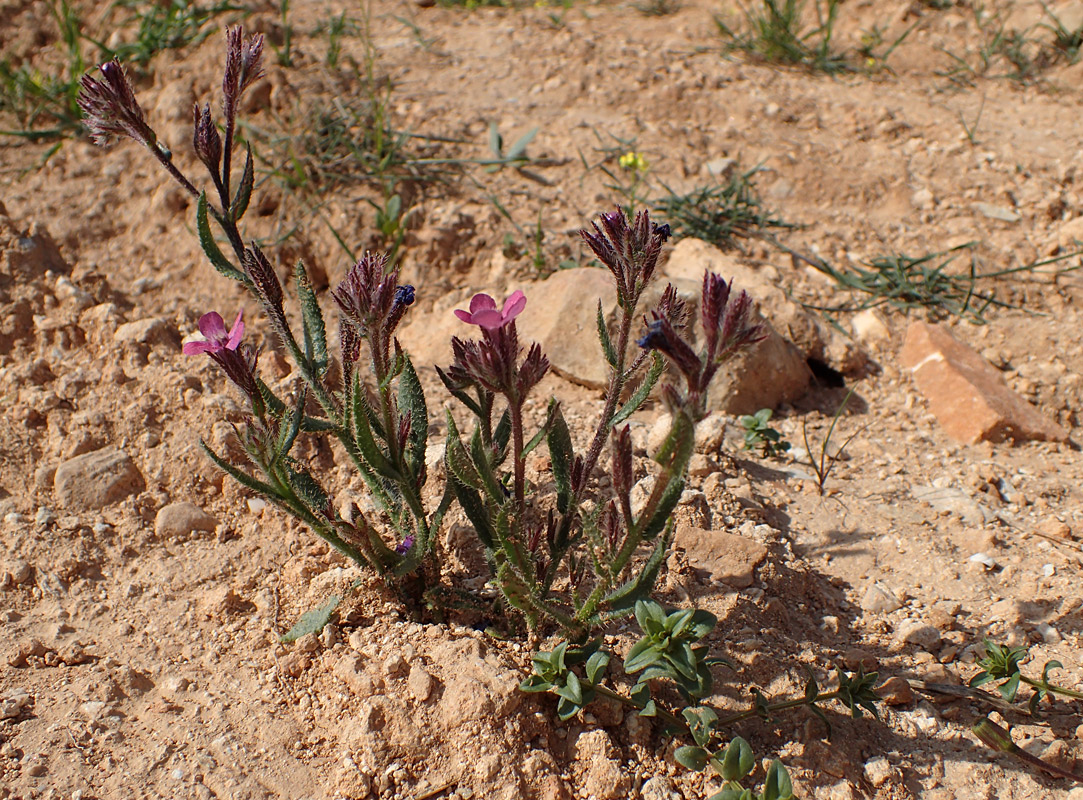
[{"x": 578, "y": 556}]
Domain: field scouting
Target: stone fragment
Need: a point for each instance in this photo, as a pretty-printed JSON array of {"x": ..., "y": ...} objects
[
  {"x": 878, "y": 771},
  {"x": 869, "y": 326},
  {"x": 97, "y": 479},
  {"x": 896, "y": 691},
  {"x": 420, "y": 684},
  {"x": 25, "y": 650},
  {"x": 918, "y": 633},
  {"x": 727, "y": 557},
  {"x": 967, "y": 394},
  {"x": 1000, "y": 213},
  {"x": 603, "y": 776},
  {"x": 147, "y": 331},
  {"x": 955, "y": 501},
  {"x": 15, "y": 703},
  {"x": 182, "y": 519},
  {"x": 879, "y": 599},
  {"x": 660, "y": 788}
]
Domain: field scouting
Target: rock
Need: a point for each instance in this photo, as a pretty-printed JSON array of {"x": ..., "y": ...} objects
[
  {"x": 1000, "y": 213},
  {"x": 955, "y": 501},
  {"x": 967, "y": 394},
  {"x": 728, "y": 557},
  {"x": 25, "y": 650},
  {"x": 896, "y": 691},
  {"x": 869, "y": 326},
  {"x": 97, "y": 479},
  {"x": 660, "y": 788},
  {"x": 351, "y": 669},
  {"x": 148, "y": 331},
  {"x": 15, "y": 703},
  {"x": 1055, "y": 528},
  {"x": 420, "y": 684},
  {"x": 383, "y": 730},
  {"x": 19, "y": 569},
  {"x": 599, "y": 761},
  {"x": 878, "y": 771},
  {"x": 294, "y": 663},
  {"x": 182, "y": 519},
  {"x": 879, "y": 599},
  {"x": 919, "y": 633},
  {"x": 561, "y": 314}
]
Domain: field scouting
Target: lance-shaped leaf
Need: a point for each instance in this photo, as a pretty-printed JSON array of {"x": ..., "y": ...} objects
[
  {"x": 412, "y": 401},
  {"x": 312, "y": 317},
  {"x": 290, "y": 426},
  {"x": 642, "y": 392},
  {"x": 244, "y": 190},
  {"x": 737, "y": 761},
  {"x": 603, "y": 337},
  {"x": 561, "y": 455},
  {"x": 210, "y": 246},
  {"x": 360, "y": 422},
  {"x": 312, "y": 621}
]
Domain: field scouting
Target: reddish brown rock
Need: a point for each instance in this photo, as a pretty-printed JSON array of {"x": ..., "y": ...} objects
[{"x": 967, "y": 394}]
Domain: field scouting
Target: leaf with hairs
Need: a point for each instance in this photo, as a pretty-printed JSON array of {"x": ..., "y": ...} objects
[
  {"x": 312, "y": 317},
  {"x": 312, "y": 621},
  {"x": 210, "y": 246}
]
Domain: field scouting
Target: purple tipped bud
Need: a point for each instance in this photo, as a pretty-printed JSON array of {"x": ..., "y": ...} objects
[
  {"x": 244, "y": 66},
  {"x": 205, "y": 139},
  {"x": 404, "y": 546},
  {"x": 264, "y": 279},
  {"x": 110, "y": 108},
  {"x": 404, "y": 295}
]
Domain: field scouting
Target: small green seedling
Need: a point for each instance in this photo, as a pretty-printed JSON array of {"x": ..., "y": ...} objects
[{"x": 760, "y": 434}]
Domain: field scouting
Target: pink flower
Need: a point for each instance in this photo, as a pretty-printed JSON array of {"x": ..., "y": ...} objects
[
  {"x": 483, "y": 311},
  {"x": 213, "y": 327}
]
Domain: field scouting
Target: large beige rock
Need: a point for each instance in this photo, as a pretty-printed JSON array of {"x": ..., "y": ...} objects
[
  {"x": 967, "y": 394},
  {"x": 96, "y": 479},
  {"x": 727, "y": 557}
]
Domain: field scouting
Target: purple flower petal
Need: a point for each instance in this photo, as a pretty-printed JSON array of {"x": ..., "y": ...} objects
[
  {"x": 481, "y": 302},
  {"x": 488, "y": 318},
  {"x": 513, "y": 306},
  {"x": 465, "y": 316},
  {"x": 236, "y": 332},
  {"x": 198, "y": 348},
  {"x": 213, "y": 327}
]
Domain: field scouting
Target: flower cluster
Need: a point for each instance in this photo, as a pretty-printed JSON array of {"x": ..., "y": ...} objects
[
  {"x": 629, "y": 251},
  {"x": 372, "y": 304}
]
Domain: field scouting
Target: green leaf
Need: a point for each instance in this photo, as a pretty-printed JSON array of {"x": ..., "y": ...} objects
[
  {"x": 535, "y": 683},
  {"x": 210, "y": 246},
  {"x": 596, "y": 665},
  {"x": 603, "y": 337},
  {"x": 701, "y": 720},
  {"x": 1010, "y": 688},
  {"x": 362, "y": 432},
  {"x": 458, "y": 461},
  {"x": 777, "y": 784},
  {"x": 561, "y": 455},
  {"x": 693, "y": 758},
  {"x": 733, "y": 793},
  {"x": 412, "y": 400},
  {"x": 309, "y": 490},
  {"x": 518, "y": 150},
  {"x": 737, "y": 760},
  {"x": 289, "y": 427},
  {"x": 312, "y": 621},
  {"x": 643, "y": 654},
  {"x": 244, "y": 190},
  {"x": 496, "y": 141},
  {"x": 312, "y": 317},
  {"x": 642, "y": 392}
]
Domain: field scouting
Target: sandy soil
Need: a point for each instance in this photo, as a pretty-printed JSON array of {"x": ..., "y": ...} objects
[{"x": 143, "y": 661}]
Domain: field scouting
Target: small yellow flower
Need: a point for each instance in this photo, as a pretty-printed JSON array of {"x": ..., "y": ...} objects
[{"x": 633, "y": 161}]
